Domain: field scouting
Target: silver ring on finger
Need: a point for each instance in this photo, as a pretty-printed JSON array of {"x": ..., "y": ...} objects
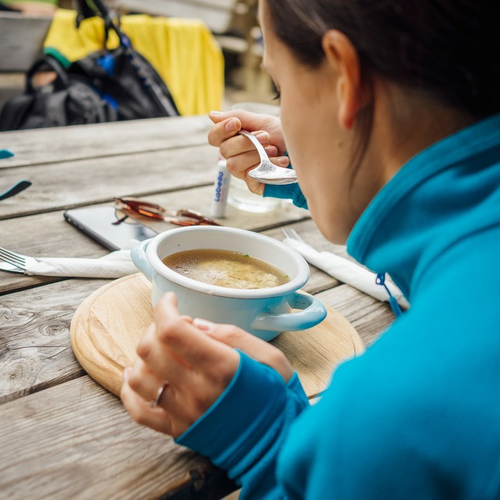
[{"x": 159, "y": 394}]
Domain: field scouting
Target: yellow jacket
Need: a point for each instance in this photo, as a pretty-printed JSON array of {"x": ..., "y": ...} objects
[{"x": 183, "y": 51}]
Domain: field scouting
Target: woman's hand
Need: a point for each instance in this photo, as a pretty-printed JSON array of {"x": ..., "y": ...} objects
[
  {"x": 195, "y": 359},
  {"x": 238, "y": 150}
]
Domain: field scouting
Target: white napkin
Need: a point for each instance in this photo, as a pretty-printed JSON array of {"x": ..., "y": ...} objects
[
  {"x": 348, "y": 272},
  {"x": 114, "y": 265}
]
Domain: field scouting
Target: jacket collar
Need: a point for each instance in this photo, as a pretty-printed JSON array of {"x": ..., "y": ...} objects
[{"x": 421, "y": 209}]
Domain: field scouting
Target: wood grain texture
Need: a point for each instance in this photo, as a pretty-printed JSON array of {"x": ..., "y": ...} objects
[
  {"x": 49, "y": 146},
  {"x": 49, "y": 235},
  {"x": 77, "y": 419},
  {"x": 77, "y": 441},
  {"x": 216, "y": 14},
  {"x": 35, "y": 348},
  {"x": 107, "y": 327},
  {"x": 61, "y": 434},
  {"x": 64, "y": 185},
  {"x": 96, "y": 181},
  {"x": 22, "y": 40},
  {"x": 35, "y": 351},
  {"x": 315, "y": 353},
  {"x": 369, "y": 316},
  {"x": 109, "y": 324}
]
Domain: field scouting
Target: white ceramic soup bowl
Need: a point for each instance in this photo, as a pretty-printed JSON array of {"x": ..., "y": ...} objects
[{"x": 264, "y": 312}]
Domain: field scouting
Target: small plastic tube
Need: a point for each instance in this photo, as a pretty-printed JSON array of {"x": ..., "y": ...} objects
[{"x": 221, "y": 189}]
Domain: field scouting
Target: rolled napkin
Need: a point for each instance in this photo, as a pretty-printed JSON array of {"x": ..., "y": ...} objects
[
  {"x": 348, "y": 272},
  {"x": 114, "y": 265}
]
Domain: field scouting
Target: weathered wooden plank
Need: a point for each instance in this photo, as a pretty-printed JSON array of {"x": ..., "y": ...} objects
[
  {"x": 49, "y": 235},
  {"x": 86, "y": 182},
  {"x": 38, "y": 147},
  {"x": 76, "y": 440},
  {"x": 62, "y": 435},
  {"x": 35, "y": 349},
  {"x": 216, "y": 14},
  {"x": 369, "y": 316},
  {"x": 22, "y": 39},
  {"x": 90, "y": 445}
]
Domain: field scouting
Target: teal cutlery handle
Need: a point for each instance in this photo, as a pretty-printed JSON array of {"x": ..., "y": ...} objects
[
  {"x": 15, "y": 189},
  {"x": 5, "y": 153}
]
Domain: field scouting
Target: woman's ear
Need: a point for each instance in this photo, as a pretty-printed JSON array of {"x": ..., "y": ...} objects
[{"x": 343, "y": 59}]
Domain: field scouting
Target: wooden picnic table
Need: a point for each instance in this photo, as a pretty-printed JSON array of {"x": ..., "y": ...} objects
[{"x": 61, "y": 434}]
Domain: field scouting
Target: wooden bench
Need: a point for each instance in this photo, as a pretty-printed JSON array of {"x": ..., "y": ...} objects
[
  {"x": 217, "y": 14},
  {"x": 21, "y": 40}
]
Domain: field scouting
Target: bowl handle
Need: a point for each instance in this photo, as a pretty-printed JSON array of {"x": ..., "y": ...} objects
[
  {"x": 139, "y": 258},
  {"x": 313, "y": 312}
]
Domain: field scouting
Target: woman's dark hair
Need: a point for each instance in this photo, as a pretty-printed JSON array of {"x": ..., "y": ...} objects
[
  {"x": 446, "y": 49},
  {"x": 449, "y": 49}
]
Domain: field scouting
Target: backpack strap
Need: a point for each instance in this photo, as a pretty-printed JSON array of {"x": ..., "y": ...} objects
[
  {"x": 61, "y": 81},
  {"x": 83, "y": 11},
  {"x": 89, "y": 67}
]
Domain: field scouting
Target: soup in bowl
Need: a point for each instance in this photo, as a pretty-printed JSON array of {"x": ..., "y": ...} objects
[
  {"x": 271, "y": 273},
  {"x": 226, "y": 268}
]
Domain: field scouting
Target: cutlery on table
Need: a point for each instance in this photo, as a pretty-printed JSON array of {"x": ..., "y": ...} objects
[
  {"x": 345, "y": 270},
  {"x": 18, "y": 260},
  {"x": 267, "y": 172},
  {"x": 15, "y": 189},
  {"x": 113, "y": 265},
  {"x": 10, "y": 268},
  {"x": 5, "y": 153}
]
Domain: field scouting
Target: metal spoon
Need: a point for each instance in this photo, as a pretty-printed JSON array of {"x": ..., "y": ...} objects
[{"x": 267, "y": 172}]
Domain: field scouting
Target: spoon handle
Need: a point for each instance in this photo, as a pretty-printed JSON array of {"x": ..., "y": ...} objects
[
  {"x": 257, "y": 144},
  {"x": 15, "y": 189},
  {"x": 5, "y": 153}
]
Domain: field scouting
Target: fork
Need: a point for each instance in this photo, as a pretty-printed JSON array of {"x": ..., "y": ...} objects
[
  {"x": 11, "y": 269},
  {"x": 355, "y": 275},
  {"x": 16, "y": 259},
  {"x": 290, "y": 232}
]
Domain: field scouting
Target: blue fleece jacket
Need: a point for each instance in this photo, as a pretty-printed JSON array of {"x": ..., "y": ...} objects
[{"x": 418, "y": 415}]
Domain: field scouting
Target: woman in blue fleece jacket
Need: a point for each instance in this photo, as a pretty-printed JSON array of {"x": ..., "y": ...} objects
[{"x": 390, "y": 113}]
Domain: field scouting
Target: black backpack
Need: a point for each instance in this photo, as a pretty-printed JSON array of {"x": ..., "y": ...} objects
[
  {"x": 128, "y": 82},
  {"x": 67, "y": 100},
  {"x": 107, "y": 85}
]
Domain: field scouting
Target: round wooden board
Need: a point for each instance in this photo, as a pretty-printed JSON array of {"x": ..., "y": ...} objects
[{"x": 108, "y": 325}]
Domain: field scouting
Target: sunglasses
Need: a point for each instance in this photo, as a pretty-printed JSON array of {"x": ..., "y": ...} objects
[{"x": 182, "y": 217}]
